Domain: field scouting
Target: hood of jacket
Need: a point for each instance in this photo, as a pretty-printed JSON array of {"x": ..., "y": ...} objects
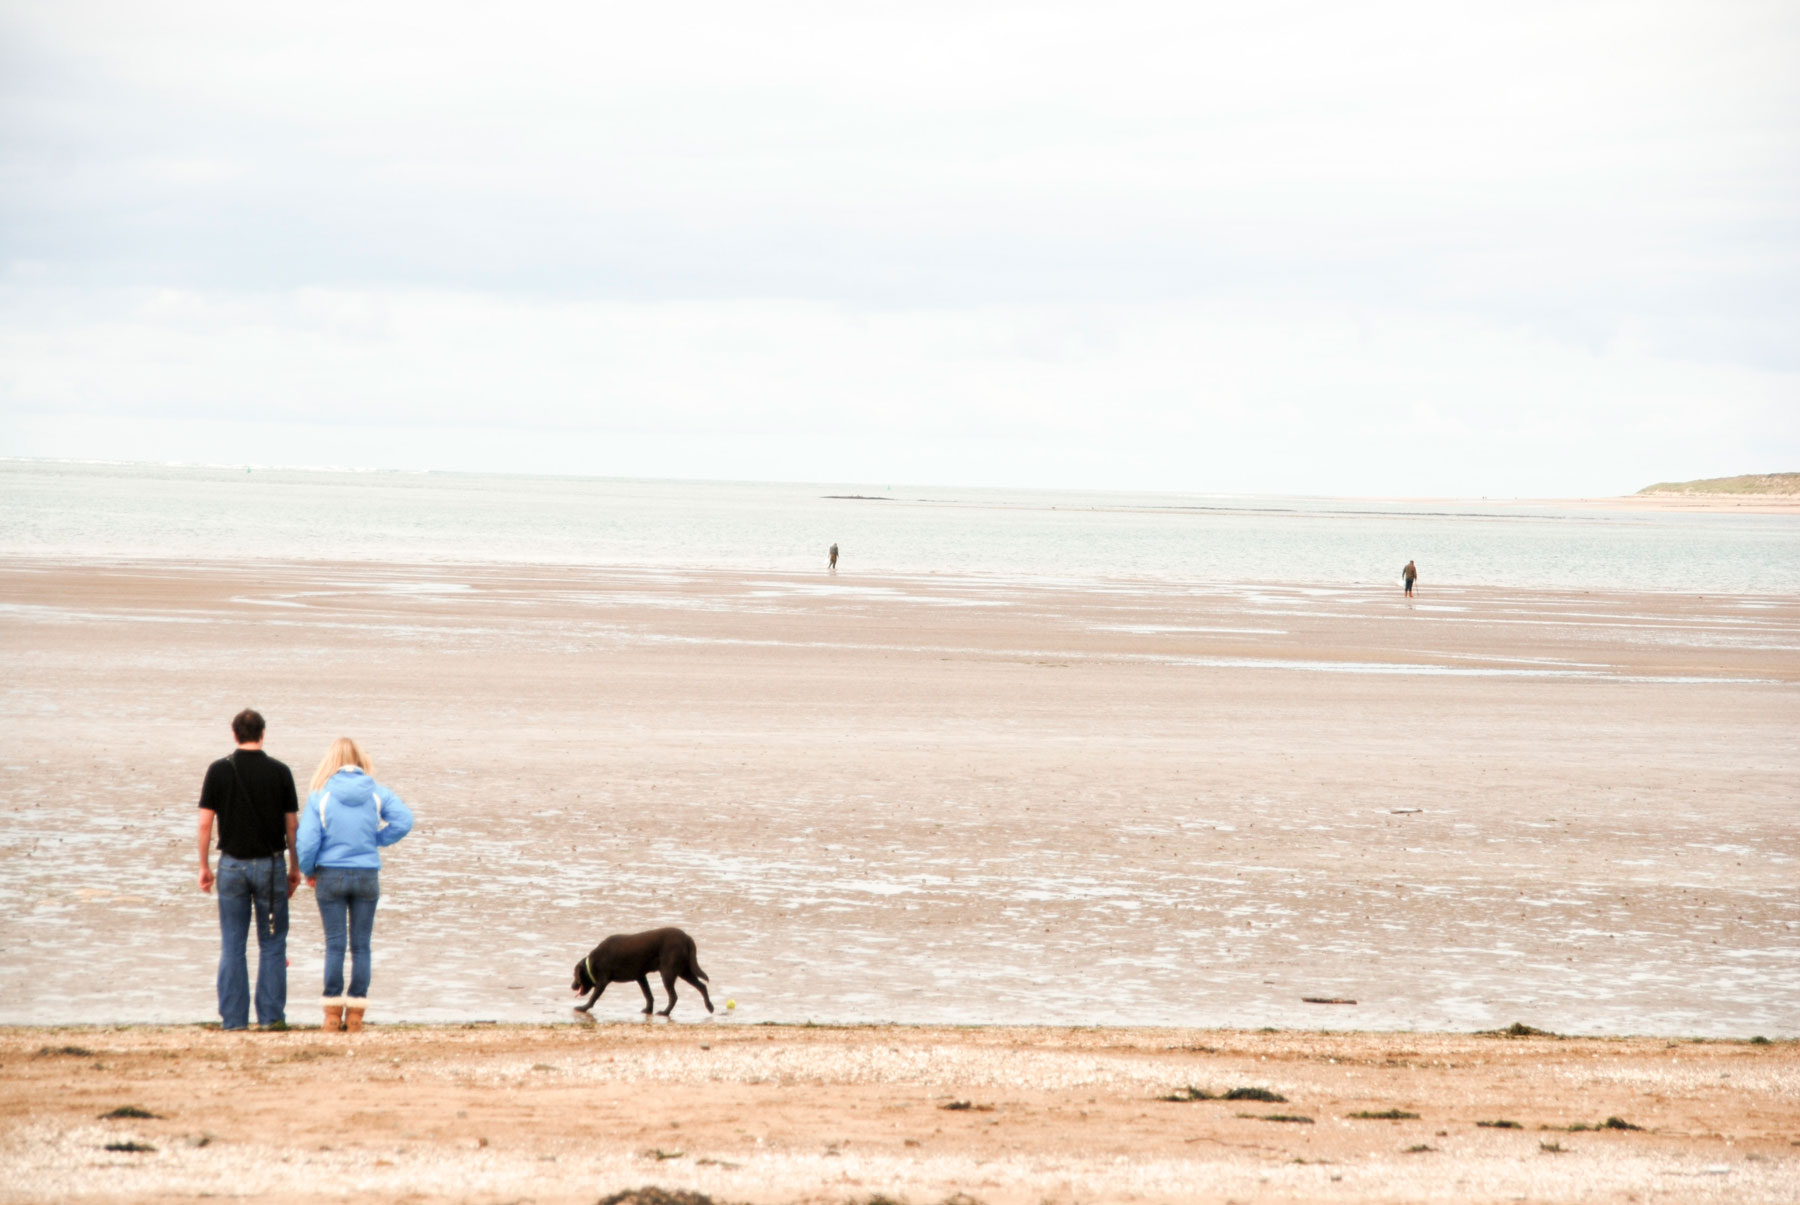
[
  {"x": 348, "y": 788},
  {"x": 351, "y": 787},
  {"x": 348, "y": 792}
]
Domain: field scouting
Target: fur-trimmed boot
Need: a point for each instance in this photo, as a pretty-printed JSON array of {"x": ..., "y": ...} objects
[
  {"x": 353, "y": 1013},
  {"x": 334, "y": 1014}
]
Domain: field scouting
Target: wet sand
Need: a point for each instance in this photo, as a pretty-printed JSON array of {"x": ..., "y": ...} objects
[
  {"x": 777, "y": 1114},
  {"x": 934, "y": 799},
  {"x": 1739, "y": 504}
]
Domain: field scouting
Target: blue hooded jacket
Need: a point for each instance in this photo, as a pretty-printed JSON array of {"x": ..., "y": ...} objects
[{"x": 347, "y": 821}]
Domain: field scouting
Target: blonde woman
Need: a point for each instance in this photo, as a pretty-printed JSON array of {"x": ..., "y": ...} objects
[{"x": 348, "y": 817}]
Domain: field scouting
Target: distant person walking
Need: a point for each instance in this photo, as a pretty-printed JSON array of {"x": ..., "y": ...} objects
[
  {"x": 832, "y": 559},
  {"x": 1408, "y": 576},
  {"x": 348, "y": 818},
  {"x": 251, "y": 797}
]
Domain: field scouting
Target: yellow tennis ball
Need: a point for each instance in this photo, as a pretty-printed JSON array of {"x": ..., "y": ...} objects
[{"x": 731, "y": 1004}]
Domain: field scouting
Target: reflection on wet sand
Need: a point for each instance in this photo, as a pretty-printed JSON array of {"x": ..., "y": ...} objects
[{"x": 937, "y": 799}]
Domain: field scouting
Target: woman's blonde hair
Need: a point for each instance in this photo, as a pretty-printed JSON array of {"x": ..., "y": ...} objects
[{"x": 343, "y": 752}]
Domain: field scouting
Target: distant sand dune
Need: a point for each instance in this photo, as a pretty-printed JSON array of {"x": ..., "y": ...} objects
[{"x": 1780, "y": 484}]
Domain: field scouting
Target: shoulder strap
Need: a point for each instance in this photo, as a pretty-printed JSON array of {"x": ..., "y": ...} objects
[{"x": 231, "y": 759}]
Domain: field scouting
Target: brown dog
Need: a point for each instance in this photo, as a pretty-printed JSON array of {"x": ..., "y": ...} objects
[{"x": 624, "y": 957}]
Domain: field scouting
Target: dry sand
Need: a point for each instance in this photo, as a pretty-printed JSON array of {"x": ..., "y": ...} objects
[
  {"x": 1739, "y": 504},
  {"x": 775, "y": 1114}
]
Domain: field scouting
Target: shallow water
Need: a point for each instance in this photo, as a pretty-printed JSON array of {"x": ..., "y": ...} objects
[{"x": 89, "y": 511}]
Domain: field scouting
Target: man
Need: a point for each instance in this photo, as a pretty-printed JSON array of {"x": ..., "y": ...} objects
[
  {"x": 251, "y": 796},
  {"x": 833, "y": 558},
  {"x": 1408, "y": 576}
]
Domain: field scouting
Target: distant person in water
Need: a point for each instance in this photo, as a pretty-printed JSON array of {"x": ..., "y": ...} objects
[
  {"x": 1408, "y": 576},
  {"x": 833, "y": 559}
]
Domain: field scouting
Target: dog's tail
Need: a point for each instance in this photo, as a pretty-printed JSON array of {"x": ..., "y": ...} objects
[{"x": 693, "y": 957}]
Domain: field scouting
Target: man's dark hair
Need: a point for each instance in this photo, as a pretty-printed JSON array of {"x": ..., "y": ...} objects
[{"x": 247, "y": 726}]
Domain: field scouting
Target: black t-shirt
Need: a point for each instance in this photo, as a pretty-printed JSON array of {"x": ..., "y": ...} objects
[{"x": 253, "y": 816}]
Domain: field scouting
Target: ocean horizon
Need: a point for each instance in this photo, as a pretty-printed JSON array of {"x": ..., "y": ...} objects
[{"x": 87, "y": 510}]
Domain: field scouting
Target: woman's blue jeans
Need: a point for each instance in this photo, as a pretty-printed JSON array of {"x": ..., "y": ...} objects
[{"x": 347, "y": 899}]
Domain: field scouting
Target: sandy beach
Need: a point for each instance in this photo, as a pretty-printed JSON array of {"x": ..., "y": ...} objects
[
  {"x": 1741, "y": 504},
  {"x": 490, "y": 1114},
  {"x": 1116, "y": 805},
  {"x": 936, "y": 799}
]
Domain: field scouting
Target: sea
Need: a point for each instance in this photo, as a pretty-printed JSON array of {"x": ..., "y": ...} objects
[{"x": 86, "y": 511}]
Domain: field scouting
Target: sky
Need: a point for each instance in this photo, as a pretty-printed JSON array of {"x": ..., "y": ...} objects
[{"x": 1397, "y": 249}]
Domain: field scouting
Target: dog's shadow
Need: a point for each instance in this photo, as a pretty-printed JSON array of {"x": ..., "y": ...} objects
[{"x": 590, "y": 1019}]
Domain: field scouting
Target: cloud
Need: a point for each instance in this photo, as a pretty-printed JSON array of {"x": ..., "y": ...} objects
[
  {"x": 1176, "y": 395},
  {"x": 968, "y": 231}
]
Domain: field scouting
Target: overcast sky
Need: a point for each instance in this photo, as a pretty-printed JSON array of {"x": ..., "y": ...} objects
[{"x": 1407, "y": 248}]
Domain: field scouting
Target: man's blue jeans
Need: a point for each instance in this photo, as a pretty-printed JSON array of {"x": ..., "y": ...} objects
[
  {"x": 256, "y": 885},
  {"x": 347, "y": 898}
]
